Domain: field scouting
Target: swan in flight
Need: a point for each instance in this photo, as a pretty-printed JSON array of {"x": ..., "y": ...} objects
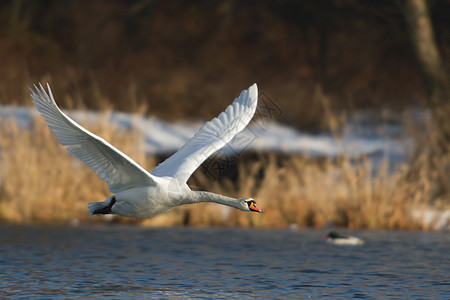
[{"x": 136, "y": 192}]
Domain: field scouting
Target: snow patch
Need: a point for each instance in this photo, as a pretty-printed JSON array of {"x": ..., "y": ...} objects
[{"x": 358, "y": 137}]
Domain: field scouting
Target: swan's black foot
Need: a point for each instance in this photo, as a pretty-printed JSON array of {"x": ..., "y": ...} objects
[{"x": 105, "y": 210}]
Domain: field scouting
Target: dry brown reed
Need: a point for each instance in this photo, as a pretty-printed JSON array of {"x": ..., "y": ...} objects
[
  {"x": 310, "y": 192},
  {"x": 41, "y": 182}
]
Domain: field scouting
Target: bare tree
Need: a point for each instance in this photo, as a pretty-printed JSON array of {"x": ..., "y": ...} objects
[
  {"x": 425, "y": 48},
  {"x": 437, "y": 148}
]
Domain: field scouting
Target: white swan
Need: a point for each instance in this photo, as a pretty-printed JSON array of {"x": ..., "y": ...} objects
[{"x": 138, "y": 193}]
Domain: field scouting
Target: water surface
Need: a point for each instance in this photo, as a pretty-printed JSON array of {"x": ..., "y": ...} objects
[{"x": 122, "y": 262}]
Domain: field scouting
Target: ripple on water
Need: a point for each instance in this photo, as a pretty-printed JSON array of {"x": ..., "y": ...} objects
[{"x": 132, "y": 262}]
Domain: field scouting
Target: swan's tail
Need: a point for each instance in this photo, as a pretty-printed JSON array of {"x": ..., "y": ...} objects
[{"x": 101, "y": 208}]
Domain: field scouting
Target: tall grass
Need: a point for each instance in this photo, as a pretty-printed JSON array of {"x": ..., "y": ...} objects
[
  {"x": 41, "y": 182},
  {"x": 311, "y": 192}
]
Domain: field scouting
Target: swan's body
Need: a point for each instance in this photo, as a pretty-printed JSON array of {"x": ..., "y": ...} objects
[
  {"x": 138, "y": 193},
  {"x": 335, "y": 238}
]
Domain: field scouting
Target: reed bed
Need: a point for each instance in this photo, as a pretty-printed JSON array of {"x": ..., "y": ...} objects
[{"x": 41, "y": 182}]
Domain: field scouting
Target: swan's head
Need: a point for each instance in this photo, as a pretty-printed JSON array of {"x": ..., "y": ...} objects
[{"x": 249, "y": 204}]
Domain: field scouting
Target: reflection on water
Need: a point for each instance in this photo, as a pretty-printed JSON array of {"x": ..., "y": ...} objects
[{"x": 132, "y": 262}]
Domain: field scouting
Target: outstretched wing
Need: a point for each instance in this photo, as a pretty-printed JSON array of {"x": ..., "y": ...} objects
[
  {"x": 112, "y": 166},
  {"x": 212, "y": 136}
]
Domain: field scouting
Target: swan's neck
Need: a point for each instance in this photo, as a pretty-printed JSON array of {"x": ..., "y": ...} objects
[{"x": 201, "y": 196}]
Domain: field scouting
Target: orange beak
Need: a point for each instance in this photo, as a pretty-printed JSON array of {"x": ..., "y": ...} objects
[{"x": 253, "y": 207}]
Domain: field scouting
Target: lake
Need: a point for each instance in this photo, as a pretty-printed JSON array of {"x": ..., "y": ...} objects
[{"x": 122, "y": 262}]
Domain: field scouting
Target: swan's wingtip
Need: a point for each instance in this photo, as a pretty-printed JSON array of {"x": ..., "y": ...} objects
[
  {"x": 33, "y": 88},
  {"x": 38, "y": 88},
  {"x": 253, "y": 91}
]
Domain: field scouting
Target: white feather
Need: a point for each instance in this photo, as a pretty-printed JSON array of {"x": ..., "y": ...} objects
[
  {"x": 212, "y": 136},
  {"x": 112, "y": 166}
]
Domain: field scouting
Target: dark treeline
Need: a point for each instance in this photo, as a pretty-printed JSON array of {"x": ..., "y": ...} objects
[{"x": 188, "y": 58}]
